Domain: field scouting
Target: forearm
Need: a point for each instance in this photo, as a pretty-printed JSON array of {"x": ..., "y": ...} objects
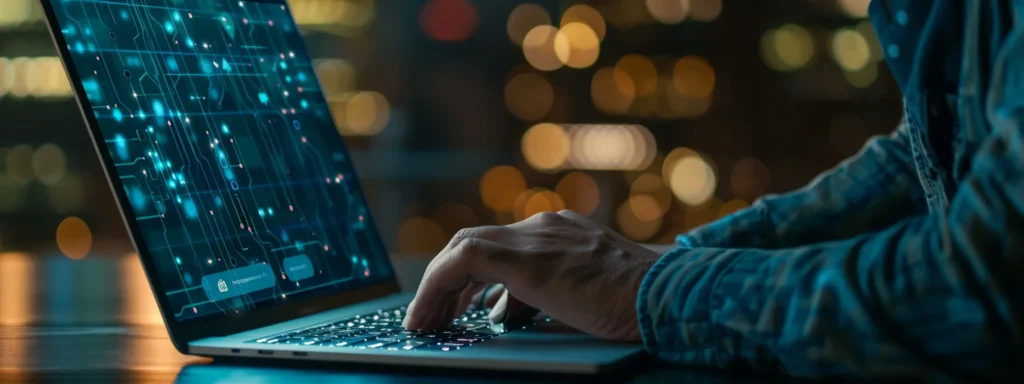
[
  {"x": 917, "y": 298},
  {"x": 868, "y": 192}
]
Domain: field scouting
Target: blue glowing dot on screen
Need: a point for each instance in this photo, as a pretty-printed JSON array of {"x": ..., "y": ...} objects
[
  {"x": 302, "y": 76},
  {"x": 224, "y": 129},
  {"x": 219, "y": 202},
  {"x": 270, "y": 211},
  {"x": 355, "y": 259},
  {"x": 177, "y": 260},
  {"x": 190, "y": 43},
  {"x": 178, "y": 199},
  {"x": 91, "y": 47},
  {"x": 158, "y": 108},
  {"x": 288, "y": 79},
  {"x": 142, "y": 114},
  {"x": 304, "y": 104},
  {"x": 87, "y": 31},
  {"x": 283, "y": 65},
  {"x": 191, "y": 211},
  {"x": 150, "y": 130},
  {"x": 284, "y": 236},
  {"x": 121, "y": 145},
  {"x": 118, "y": 115},
  {"x": 79, "y": 47},
  {"x": 124, "y": 15},
  {"x": 168, "y": 27},
  {"x": 261, "y": 212},
  {"x": 171, "y": 184},
  {"x": 176, "y": 16},
  {"x": 264, "y": 98}
]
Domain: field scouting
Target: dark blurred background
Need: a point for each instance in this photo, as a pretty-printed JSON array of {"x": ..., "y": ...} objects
[{"x": 651, "y": 116}]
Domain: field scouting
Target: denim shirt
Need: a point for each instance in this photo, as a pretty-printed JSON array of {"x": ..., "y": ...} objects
[{"x": 907, "y": 259}]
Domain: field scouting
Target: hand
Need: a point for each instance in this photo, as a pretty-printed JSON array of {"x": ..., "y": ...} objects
[{"x": 563, "y": 264}]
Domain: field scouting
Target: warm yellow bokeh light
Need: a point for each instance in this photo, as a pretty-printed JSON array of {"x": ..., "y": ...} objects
[
  {"x": 17, "y": 280},
  {"x": 673, "y": 157},
  {"x": 705, "y": 10},
  {"x": 864, "y": 77},
  {"x": 668, "y": 11},
  {"x": 866, "y": 29},
  {"x": 546, "y": 146},
  {"x": 582, "y": 13},
  {"x": 500, "y": 186},
  {"x": 787, "y": 48},
  {"x": 649, "y": 198},
  {"x": 850, "y": 50},
  {"x": 337, "y": 76},
  {"x": 632, "y": 226},
  {"x": 602, "y": 147},
  {"x": 580, "y": 192},
  {"x": 420, "y": 235},
  {"x": 529, "y": 96},
  {"x": 854, "y": 8},
  {"x": 694, "y": 77},
  {"x": 692, "y": 180},
  {"x": 366, "y": 114},
  {"x": 49, "y": 164},
  {"x": 543, "y": 46},
  {"x": 523, "y": 19},
  {"x": 542, "y": 201},
  {"x": 636, "y": 73},
  {"x": 584, "y": 46},
  {"x": 74, "y": 238},
  {"x": 612, "y": 93}
]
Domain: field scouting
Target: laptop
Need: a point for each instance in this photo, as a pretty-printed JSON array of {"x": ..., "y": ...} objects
[{"x": 242, "y": 201}]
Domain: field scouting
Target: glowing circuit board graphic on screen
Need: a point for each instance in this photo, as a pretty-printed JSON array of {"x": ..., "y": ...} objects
[{"x": 225, "y": 148}]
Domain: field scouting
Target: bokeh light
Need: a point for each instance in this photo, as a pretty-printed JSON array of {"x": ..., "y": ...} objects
[
  {"x": 850, "y": 50},
  {"x": 529, "y": 96},
  {"x": 542, "y": 200},
  {"x": 19, "y": 164},
  {"x": 582, "y": 13},
  {"x": 449, "y": 20},
  {"x": 692, "y": 180},
  {"x": 420, "y": 235},
  {"x": 546, "y": 146},
  {"x": 613, "y": 93},
  {"x": 500, "y": 186},
  {"x": 364, "y": 113},
  {"x": 864, "y": 77},
  {"x": 668, "y": 11},
  {"x": 705, "y": 10},
  {"x": 649, "y": 198},
  {"x": 610, "y": 147},
  {"x": 542, "y": 48},
  {"x": 693, "y": 77},
  {"x": 74, "y": 238},
  {"x": 580, "y": 192},
  {"x": 49, "y": 164},
  {"x": 523, "y": 19},
  {"x": 636, "y": 74},
  {"x": 787, "y": 48},
  {"x": 750, "y": 179},
  {"x": 857, "y": 9},
  {"x": 866, "y": 29},
  {"x": 632, "y": 226},
  {"x": 337, "y": 76},
  {"x": 352, "y": 15},
  {"x": 584, "y": 46}
]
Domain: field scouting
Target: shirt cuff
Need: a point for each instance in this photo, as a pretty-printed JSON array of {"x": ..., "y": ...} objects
[{"x": 644, "y": 317}]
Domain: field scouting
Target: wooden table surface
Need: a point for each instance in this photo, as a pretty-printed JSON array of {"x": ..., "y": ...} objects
[{"x": 95, "y": 320}]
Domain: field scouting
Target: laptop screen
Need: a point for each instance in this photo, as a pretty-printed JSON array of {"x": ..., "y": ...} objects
[{"x": 225, "y": 147}]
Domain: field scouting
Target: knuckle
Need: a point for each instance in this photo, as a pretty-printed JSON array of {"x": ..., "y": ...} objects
[{"x": 547, "y": 217}]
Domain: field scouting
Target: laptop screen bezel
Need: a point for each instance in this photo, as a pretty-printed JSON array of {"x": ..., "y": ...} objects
[{"x": 267, "y": 313}]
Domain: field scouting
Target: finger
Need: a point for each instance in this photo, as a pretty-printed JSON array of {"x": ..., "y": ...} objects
[
  {"x": 493, "y": 296},
  {"x": 448, "y": 275},
  {"x": 511, "y": 311},
  {"x": 467, "y": 298},
  {"x": 482, "y": 298}
]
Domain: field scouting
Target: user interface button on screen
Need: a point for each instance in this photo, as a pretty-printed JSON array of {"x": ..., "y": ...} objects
[
  {"x": 298, "y": 267},
  {"x": 238, "y": 281}
]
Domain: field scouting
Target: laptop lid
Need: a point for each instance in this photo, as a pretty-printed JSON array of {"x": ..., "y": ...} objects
[{"x": 237, "y": 190}]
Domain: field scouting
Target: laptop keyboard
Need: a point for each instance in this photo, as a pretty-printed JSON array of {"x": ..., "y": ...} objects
[{"x": 383, "y": 330}]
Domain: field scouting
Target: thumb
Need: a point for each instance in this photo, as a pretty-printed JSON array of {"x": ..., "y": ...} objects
[{"x": 511, "y": 312}]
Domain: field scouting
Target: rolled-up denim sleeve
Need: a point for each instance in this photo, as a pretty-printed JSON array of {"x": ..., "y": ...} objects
[
  {"x": 934, "y": 293},
  {"x": 872, "y": 190}
]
